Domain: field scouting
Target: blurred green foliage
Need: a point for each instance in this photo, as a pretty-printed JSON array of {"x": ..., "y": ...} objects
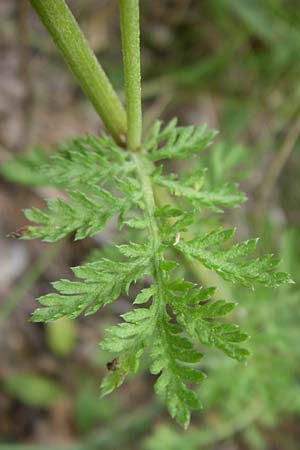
[
  {"x": 33, "y": 389},
  {"x": 61, "y": 336}
]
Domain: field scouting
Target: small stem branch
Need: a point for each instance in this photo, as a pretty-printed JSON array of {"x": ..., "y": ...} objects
[
  {"x": 65, "y": 32},
  {"x": 278, "y": 163},
  {"x": 28, "y": 100},
  {"x": 130, "y": 30},
  {"x": 271, "y": 176}
]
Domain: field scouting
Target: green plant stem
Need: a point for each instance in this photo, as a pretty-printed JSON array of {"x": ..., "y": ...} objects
[
  {"x": 65, "y": 32},
  {"x": 130, "y": 30},
  {"x": 160, "y": 197},
  {"x": 159, "y": 304},
  {"x": 143, "y": 169}
]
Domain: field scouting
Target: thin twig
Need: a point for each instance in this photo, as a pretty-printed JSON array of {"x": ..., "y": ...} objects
[
  {"x": 25, "y": 74},
  {"x": 278, "y": 163}
]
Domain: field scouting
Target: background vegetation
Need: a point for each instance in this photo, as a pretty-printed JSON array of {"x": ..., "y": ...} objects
[{"x": 233, "y": 64}]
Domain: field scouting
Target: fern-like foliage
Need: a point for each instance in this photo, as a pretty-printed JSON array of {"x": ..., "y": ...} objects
[{"x": 172, "y": 317}]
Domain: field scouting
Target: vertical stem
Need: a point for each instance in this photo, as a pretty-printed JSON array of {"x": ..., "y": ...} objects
[
  {"x": 143, "y": 169},
  {"x": 130, "y": 30},
  {"x": 65, "y": 32}
]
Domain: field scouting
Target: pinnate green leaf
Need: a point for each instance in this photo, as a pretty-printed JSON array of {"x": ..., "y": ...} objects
[
  {"x": 172, "y": 317},
  {"x": 176, "y": 142},
  {"x": 260, "y": 270}
]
